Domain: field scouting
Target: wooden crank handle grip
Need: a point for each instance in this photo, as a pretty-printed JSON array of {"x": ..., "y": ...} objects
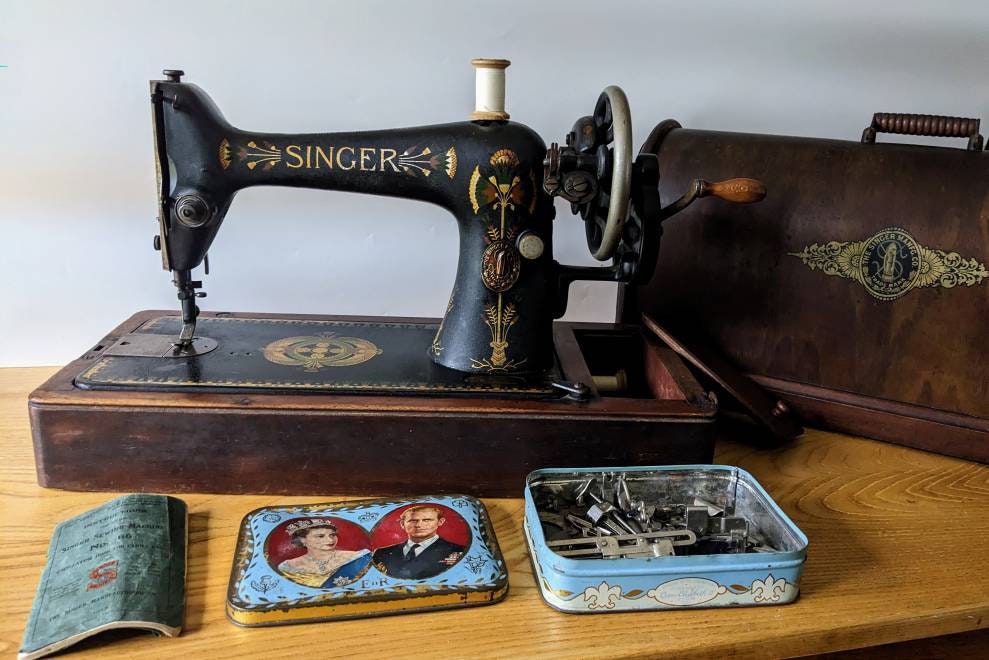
[{"x": 740, "y": 191}]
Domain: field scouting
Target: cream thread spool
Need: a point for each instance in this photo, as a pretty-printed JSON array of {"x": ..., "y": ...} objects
[
  {"x": 612, "y": 383},
  {"x": 489, "y": 90}
]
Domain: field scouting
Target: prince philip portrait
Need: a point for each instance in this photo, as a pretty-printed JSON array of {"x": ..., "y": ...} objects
[{"x": 425, "y": 553}]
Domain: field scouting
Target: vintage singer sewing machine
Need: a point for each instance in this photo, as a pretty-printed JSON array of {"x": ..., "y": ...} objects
[{"x": 265, "y": 403}]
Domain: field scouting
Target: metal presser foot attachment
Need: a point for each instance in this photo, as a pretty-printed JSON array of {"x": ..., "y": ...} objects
[
  {"x": 146, "y": 344},
  {"x": 606, "y": 516},
  {"x": 188, "y": 344}
]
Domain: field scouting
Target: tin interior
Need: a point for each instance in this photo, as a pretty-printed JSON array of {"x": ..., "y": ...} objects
[{"x": 729, "y": 488}]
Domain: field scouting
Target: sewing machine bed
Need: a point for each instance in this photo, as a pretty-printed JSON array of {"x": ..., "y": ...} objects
[
  {"x": 303, "y": 355},
  {"x": 208, "y": 425}
]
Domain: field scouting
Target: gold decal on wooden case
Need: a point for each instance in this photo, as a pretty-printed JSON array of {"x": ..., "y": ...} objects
[{"x": 891, "y": 262}]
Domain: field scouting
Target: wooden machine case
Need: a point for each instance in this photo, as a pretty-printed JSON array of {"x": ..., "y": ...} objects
[
  {"x": 267, "y": 440},
  {"x": 857, "y": 290}
]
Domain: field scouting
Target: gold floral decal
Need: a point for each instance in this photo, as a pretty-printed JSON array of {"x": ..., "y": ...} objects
[
  {"x": 451, "y": 162},
  {"x": 426, "y": 161},
  {"x": 267, "y": 155},
  {"x": 891, "y": 262},
  {"x": 499, "y": 319},
  {"x": 437, "y": 346},
  {"x": 326, "y": 350},
  {"x": 502, "y": 188},
  {"x": 224, "y": 152}
]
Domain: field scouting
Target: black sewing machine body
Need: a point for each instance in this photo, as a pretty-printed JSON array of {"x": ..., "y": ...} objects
[
  {"x": 228, "y": 402},
  {"x": 487, "y": 174}
]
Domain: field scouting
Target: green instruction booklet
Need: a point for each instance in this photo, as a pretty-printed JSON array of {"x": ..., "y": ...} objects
[{"x": 121, "y": 565}]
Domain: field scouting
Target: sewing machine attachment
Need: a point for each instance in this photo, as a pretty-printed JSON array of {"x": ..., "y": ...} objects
[
  {"x": 717, "y": 539},
  {"x": 159, "y": 346},
  {"x": 644, "y": 544}
]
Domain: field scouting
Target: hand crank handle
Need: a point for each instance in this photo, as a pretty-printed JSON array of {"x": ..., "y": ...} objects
[{"x": 738, "y": 191}]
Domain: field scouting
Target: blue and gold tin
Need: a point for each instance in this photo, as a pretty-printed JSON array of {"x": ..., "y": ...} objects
[
  {"x": 320, "y": 562},
  {"x": 731, "y": 545}
]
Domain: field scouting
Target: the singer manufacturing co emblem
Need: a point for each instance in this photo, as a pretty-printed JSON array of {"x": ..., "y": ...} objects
[
  {"x": 891, "y": 262},
  {"x": 326, "y": 350}
]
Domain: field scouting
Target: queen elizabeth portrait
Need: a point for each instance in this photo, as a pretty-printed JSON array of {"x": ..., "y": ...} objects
[{"x": 322, "y": 565}]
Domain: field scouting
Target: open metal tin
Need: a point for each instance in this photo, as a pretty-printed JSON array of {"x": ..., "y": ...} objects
[{"x": 764, "y": 569}]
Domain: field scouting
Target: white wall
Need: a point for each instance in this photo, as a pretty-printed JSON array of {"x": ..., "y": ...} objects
[{"x": 77, "y": 192}]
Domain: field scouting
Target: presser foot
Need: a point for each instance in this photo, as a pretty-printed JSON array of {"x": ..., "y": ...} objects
[{"x": 159, "y": 346}]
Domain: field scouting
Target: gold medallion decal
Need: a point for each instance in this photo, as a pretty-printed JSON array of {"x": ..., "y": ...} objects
[
  {"x": 500, "y": 266},
  {"x": 891, "y": 262},
  {"x": 327, "y": 350}
]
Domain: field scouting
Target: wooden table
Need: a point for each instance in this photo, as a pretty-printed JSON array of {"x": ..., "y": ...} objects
[{"x": 898, "y": 551}]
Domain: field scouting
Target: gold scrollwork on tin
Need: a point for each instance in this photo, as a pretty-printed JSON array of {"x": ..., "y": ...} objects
[
  {"x": 326, "y": 350},
  {"x": 891, "y": 263}
]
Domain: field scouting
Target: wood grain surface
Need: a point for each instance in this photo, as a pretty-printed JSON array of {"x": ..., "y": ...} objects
[{"x": 897, "y": 552}]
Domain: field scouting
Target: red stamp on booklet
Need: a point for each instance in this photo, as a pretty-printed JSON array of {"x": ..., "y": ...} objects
[{"x": 102, "y": 575}]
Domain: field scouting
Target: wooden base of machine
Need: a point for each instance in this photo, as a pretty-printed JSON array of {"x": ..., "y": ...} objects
[{"x": 251, "y": 440}]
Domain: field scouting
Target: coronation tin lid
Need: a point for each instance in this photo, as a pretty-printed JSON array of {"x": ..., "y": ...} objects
[{"x": 316, "y": 562}]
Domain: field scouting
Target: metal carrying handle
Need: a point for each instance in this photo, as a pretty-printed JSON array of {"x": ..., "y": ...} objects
[{"x": 927, "y": 125}]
